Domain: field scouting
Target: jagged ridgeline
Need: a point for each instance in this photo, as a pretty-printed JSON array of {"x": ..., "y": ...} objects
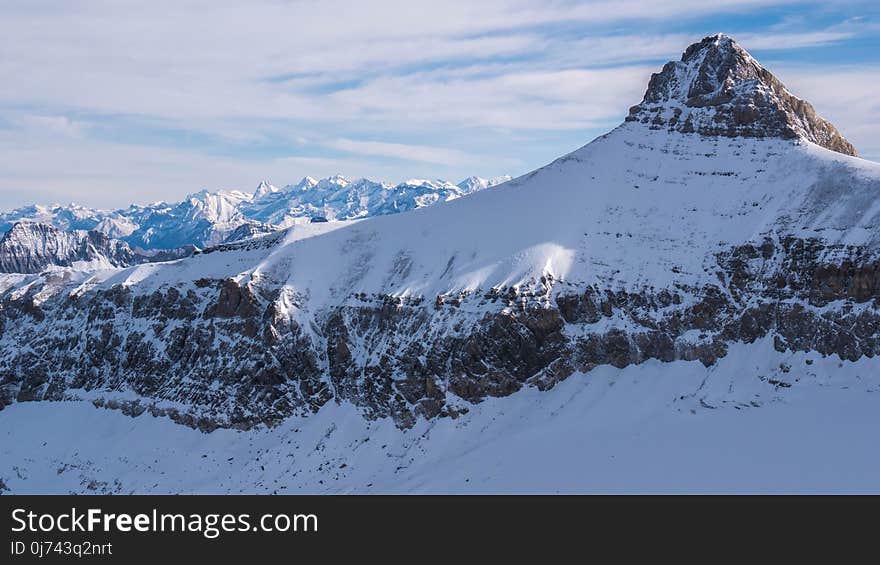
[
  {"x": 87, "y": 237},
  {"x": 723, "y": 210},
  {"x": 719, "y": 89}
]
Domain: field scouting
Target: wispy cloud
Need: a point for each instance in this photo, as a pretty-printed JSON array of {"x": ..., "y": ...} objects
[
  {"x": 51, "y": 125},
  {"x": 780, "y": 41},
  {"x": 422, "y": 153},
  {"x": 422, "y": 87}
]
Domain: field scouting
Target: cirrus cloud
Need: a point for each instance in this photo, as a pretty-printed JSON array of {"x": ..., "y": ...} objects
[{"x": 161, "y": 98}]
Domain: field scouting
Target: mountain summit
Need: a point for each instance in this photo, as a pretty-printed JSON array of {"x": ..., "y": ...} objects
[{"x": 718, "y": 88}]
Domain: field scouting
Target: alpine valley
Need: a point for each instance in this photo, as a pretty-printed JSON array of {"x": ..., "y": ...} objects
[{"x": 688, "y": 303}]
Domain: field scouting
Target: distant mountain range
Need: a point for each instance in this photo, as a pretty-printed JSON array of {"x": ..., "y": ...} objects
[{"x": 208, "y": 218}]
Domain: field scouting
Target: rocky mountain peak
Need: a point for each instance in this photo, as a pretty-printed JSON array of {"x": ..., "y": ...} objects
[
  {"x": 263, "y": 189},
  {"x": 718, "y": 88},
  {"x": 305, "y": 184},
  {"x": 30, "y": 247},
  {"x": 473, "y": 183},
  {"x": 23, "y": 230}
]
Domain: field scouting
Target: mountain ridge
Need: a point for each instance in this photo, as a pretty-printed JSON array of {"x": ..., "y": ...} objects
[
  {"x": 648, "y": 244},
  {"x": 206, "y": 218},
  {"x": 31, "y": 247}
]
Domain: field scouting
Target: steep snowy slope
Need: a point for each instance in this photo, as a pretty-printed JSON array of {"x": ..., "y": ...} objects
[
  {"x": 673, "y": 252},
  {"x": 633, "y": 208}
]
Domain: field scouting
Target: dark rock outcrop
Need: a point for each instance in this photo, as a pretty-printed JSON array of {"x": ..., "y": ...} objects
[
  {"x": 249, "y": 230},
  {"x": 718, "y": 89}
]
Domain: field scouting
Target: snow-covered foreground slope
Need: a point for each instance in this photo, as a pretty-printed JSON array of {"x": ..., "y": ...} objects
[{"x": 758, "y": 421}]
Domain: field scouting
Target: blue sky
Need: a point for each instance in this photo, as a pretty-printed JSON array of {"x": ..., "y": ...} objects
[{"x": 106, "y": 102}]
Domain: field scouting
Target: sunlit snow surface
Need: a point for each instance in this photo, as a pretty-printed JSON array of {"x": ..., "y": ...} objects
[{"x": 632, "y": 209}]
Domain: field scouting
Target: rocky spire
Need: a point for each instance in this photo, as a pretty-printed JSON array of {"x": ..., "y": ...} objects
[
  {"x": 263, "y": 189},
  {"x": 718, "y": 88}
]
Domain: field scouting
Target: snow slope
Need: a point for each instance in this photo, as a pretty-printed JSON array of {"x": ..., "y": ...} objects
[{"x": 627, "y": 210}]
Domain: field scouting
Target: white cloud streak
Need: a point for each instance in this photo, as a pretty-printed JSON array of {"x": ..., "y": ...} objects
[{"x": 360, "y": 78}]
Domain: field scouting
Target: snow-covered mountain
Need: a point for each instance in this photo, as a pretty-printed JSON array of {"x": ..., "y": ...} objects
[
  {"x": 208, "y": 218},
  {"x": 472, "y": 184},
  {"x": 31, "y": 247},
  {"x": 682, "y": 294}
]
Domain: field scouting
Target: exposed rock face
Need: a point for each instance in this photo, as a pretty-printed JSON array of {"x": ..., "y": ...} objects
[
  {"x": 225, "y": 354},
  {"x": 30, "y": 247},
  {"x": 719, "y": 89},
  {"x": 249, "y": 230}
]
